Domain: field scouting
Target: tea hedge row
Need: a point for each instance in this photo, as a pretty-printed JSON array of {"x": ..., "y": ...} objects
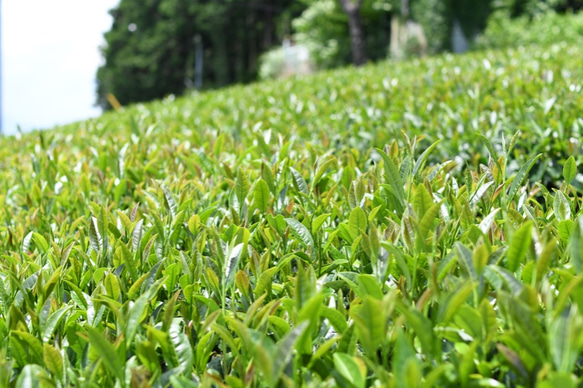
[{"x": 410, "y": 224}]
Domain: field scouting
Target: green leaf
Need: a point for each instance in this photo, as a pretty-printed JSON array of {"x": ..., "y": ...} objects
[
  {"x": 405, "y": 364},
  {"x": 309, "y": 312},
  {"x": 305, "y": 285},
  {"x": 32, "y": 376},
  {"x": 277, "y": 223},
  {"x": 284, "y": 351},
  {"x": 112, "y": 286},
  {"x": 318, "y": 221},
  {"x": 321, "y": 166},
  {"x": 169, "y": 201},
  {"x": 348, "y": 368},
  {"x": 299, "y": 181},
  {"x": 261, "y": 195},
  {"x": 335, "y": 317},
  {"x": 371, "y": 324},
  {"x": 465, "y": 258},
  {"x": 182, "y": 348},
  {"x": 422, "y": 326},
  {"x": 519, "y": 245},
  {"x": 53, "y": 360},
  {"x": 301, "y": 233},
  {"x": 147, "y": 355},
  {"x": 369, "y": 285},
  {"x": 241, "y": 186},
  {"x": 40, "y": 242},
  {"x": 449, "y": 307},
  {"x": 488, "y": 221},
  {"x": 26, "y": 243},
  {"x": 496, "y": 275},
  {"x": 136, "y": 313},
  {"x": 557, "y": 379},
  {"x": 576, "y": 244},
  {"x": 520, "y": 177},
  {"x": 151, "y": 278},
  {"x": 348, "y": 340},
  {"x": 569, "y": 169},
  {"x": 563, "y": 341},
  {"x": 322, "y": 351},
  {"x": 428, "y": 220},
  {"x": 94, "y": 235},
  {"x": 527, "y": 331},
  {"x": 423, "y": 158},
  {"x": 182, "y": 382},
  {"x": 107, "y": 352},
  {"x": 357, "y": 222},
  {"x": 565, "y": 229},
  {"x": 267, "y": 176},
  {"x": 204, "y": 348},
  {"x": 561, "y": 206},
  {"x": 172, "y": 273},
  {"x": 137, "y": 235},
  {"x": 265, "y": 281},
  {"x": 53, "y": 321},
  {"x": 129, "y": 261},
  {"x": 422, "y": 201},
  {"x": 393, "y": 177},
  {"x": 279, "y": 325},
  {"x": 470, "y": 320},
  {"x": 545, "y": 259},
  {"x": 29, "y": 342},
  {"x": 491, "y": 150},
  {"x": 232, "y": 264}
]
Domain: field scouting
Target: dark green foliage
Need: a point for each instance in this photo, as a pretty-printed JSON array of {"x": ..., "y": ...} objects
[
  {"x": 150, "y": 49},
  {"x": 540, "y": 29},
  {"x": 436, "y": 18},
  {"x": 323, "y": 28}
]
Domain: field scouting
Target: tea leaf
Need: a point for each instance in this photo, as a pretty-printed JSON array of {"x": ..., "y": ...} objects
[
  {"x": 519, "y": 245},
  {"x": 520, "y": 176},
  {"x": 53, "y": 360},
  {"x": 261, "y": 195},
  {"x": 393, "y": 177},
  {"x": 136, "y": 313},
  {"x": 107, "y": 352},
  {"x": 357, "y": 222},
  {"x": 284, "y": 351},
  {"x": 348, "y": 368},
  {"x": 561, "y": 206},
  {"x": 569, "y": 170},
  {"x": 301, "y": 233}
]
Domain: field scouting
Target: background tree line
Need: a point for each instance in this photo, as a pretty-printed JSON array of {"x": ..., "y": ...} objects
[{"x": 150, "y": 49}]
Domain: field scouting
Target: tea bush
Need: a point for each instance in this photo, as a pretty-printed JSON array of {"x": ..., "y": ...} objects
[{"x": 409, "y": 225}]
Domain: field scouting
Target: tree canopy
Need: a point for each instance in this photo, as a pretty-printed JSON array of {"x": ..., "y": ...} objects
[{"x": 150, "y": 51}]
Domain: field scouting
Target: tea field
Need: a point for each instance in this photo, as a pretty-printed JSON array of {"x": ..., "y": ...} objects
[{"x": 412, "y": 224}]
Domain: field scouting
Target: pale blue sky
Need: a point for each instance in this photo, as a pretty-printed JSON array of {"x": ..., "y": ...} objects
[{"x": 49, "y": 58}]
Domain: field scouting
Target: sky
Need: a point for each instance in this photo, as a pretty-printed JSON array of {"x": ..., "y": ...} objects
[{"x": 50, "y": 54}]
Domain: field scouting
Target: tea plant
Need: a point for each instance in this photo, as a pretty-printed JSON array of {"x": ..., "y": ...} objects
[{"x": 415, "y": 224}]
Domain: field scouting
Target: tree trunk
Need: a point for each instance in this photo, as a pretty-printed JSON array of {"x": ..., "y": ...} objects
[
  {"x": 251, "y": 44},
  {"x": 268, "y": 30},
  {"x": 220, "y": 56},
  {"x": 352, "y": 10}
]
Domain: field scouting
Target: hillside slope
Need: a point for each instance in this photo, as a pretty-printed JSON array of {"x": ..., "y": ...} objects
[{"x": 403, "y": 224}]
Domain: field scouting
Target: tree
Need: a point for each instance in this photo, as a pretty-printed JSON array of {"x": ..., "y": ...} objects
[
  {"x": 323, "y": 29},
  {"x": 150, "y": 49},
  {"x": 352, "y": 10}
]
